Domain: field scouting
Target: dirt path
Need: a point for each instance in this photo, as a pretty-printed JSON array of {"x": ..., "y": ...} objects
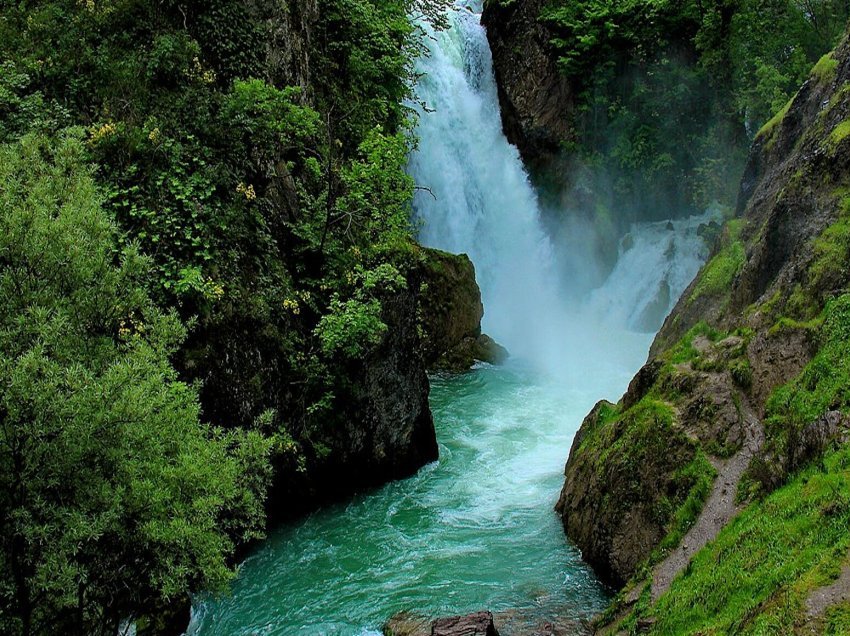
[
  {"x": 823, "y": 598},
  {"x": 718, "y": 509}
]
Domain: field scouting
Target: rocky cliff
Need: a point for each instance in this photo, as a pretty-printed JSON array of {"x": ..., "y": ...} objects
[
  {"x": 745, "y": 386},
  {"x": 385, "y": 430},
  {"x": 346, "y": 423},
  {"x": 536, "y": 100}
]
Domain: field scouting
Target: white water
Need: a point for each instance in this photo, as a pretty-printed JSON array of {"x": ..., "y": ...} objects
[
  {"x": 479, "y": 200},
  {"x": 476, "y": 198}
]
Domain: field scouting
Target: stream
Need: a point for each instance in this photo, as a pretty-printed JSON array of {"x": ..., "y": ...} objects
[{"x": 476, "y": 529}]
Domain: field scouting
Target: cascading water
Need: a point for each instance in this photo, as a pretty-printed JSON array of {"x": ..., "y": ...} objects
[
  {"x": 478, "y": 198},
  {"x": 476, "y": 529}
]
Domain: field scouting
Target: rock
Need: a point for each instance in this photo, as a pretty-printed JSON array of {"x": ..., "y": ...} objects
[
  {"x": 641, "y": 384},
  {"x": 535, "y": 98},
  {"x": 616, "y": 509},
  {"x": 450, "y": 314},
  {"x": 621, "y": 476},
  {"x": 478, "y": 624},
  {"x": 538, "y": 622},
  {"x": 169, "y": 620},
  {"x": 817, "y": 437},
  {"x": 488, "y": 350},
  {"x": 408, "y": 624},
  {"x": 381, "y": 428}
]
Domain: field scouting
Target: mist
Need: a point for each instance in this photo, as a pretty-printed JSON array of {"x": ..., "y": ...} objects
[{"x": 566, "y": 289}]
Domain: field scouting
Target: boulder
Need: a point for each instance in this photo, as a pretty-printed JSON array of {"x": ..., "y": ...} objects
[
  {"x": 450, "y": 312},
  {"x": 477, "y": 624}
]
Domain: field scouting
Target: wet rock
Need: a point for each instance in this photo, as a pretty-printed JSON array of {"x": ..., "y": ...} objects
[
  {"x": 538, "y": 622},
  {"x": 408, "y": 624},
  {"x": 478, "y": 624},
  {"x": 488, "y": 350},
  {"x": 653, "y": 314},
  {"x": 641, "y": 383},
  {"x": 536, "y": 99},
  {"x": 450, "y": 314}
]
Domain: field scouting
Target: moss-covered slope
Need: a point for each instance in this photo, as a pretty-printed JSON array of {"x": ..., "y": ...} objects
[{"x": 748, "y": 379}]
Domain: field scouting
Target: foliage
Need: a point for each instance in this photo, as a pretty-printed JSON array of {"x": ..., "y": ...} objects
[
  {"x": 250, "y": 163},
  {"x": 256, "y": 188},
  {"x": 671, "y": 92},
  {"x": 114, "y": 498}
]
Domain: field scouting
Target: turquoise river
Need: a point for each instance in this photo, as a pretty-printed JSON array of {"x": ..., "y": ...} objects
[{"x": 476, "y": 529}]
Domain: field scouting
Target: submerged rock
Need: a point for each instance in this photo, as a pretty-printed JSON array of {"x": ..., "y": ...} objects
[
  {"x": 516, "y": 622},
  {"x": 408, "y": 624}
]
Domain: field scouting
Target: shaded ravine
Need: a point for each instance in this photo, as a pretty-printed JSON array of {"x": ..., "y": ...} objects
[
  {"x": 475, "y": 529},
  {"x": 472, "y": 530}
]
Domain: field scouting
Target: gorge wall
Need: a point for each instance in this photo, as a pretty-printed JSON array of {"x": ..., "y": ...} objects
[
  {"x": 535, "y": 98},
  {"x": 745, "y": 388}
]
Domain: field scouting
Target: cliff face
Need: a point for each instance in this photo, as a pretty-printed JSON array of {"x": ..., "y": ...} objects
[
  {"x": 386, "y": 431},
  {"x": 535, "y": 98},
  {"x": 743, "y": 386}
]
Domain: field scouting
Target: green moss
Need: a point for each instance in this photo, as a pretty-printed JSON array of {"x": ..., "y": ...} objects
[
  {"x": 786, "y": 324},
  {"x": 825, "y": 69},
  {"x": 684, "y": 350},
  {"x": 839, "y": 134},
  {"x": 717, "y": 276},
  {"x": 644, "y": 426},
  {"x": 769, "y": 129},
  {"x": 755, "y": 577},
  {"x": 832, "y": 249},
  {"x": 604, "y": 414},
  {"x": 742, "y": 373}
]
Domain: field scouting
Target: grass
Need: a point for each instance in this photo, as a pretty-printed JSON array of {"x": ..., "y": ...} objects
[
  {"x": 838, "y": 621},
  {"x": 684, "y": 350},
  {"x": 825, "y": 69},
  {"x": 700, "y": 473},
  {"x": 755, "y": 577},
  {"x": 824, "y": 383}
]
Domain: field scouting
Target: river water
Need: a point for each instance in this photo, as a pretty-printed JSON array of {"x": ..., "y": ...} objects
[{"x": 476, "y": 529}]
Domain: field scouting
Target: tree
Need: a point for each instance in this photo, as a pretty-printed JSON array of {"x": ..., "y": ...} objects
[{"x": 114, "y": 498}]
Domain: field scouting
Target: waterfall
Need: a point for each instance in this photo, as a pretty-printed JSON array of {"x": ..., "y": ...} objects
[
  {"x": 478, "y": 199},
  {"x": 476, "y": 529}
]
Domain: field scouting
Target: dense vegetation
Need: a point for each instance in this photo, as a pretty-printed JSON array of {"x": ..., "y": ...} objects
[
  {"x": 672, "y": 93},
  {"x": 778, "y": 280},
  {"x": 203, "y": 203}
]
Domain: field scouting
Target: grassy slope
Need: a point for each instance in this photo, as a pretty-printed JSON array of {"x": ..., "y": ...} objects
[{"x": 756, "y": 576}]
